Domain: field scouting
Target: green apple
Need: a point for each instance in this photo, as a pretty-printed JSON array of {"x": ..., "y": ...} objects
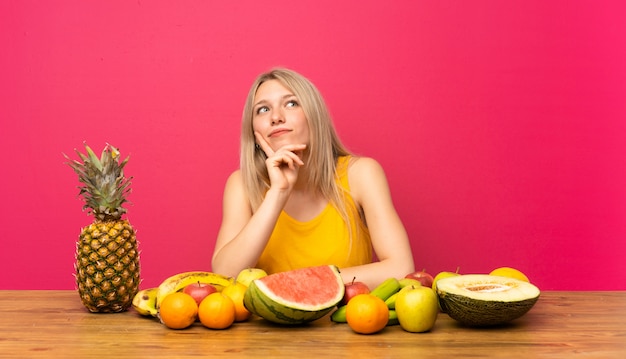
[
  {"x": 417, "y": 308},
  {"x": 246, "y": 276}
]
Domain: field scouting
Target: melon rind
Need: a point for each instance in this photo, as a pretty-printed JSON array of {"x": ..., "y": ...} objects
[
  {"x": 260, "y": 300},
  {"x": 508, "y": 299}
]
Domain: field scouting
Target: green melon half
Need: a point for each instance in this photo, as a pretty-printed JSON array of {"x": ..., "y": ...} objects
[
  {"x": 295, "y": 297},
  {"x": 485, "y": 300}
]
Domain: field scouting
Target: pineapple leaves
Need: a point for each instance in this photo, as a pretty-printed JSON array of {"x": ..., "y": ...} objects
[
  {"x": 92, "y": 157},
  {"x": 105, "y": 187}
]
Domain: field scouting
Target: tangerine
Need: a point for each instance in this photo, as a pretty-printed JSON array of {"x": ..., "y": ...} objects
[
  {"x": 178, "y": 310},
  {"x": 217, "y": 311},
  {"x": 367, "y": 314},
  {"x": 236, "y": 292}
]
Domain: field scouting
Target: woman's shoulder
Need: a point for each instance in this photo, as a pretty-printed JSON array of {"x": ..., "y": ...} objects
[
  {"x": 363, "y": 172},
  {"x": 235, "y": 174},
  {"x": 234, "y": 189},
  {"x": 366, "y": 178},
  {"x": 235, "y": 179},
  {"x": 359, "y": 165}
]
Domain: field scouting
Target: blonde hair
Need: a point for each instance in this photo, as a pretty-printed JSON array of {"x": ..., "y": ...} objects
[{"x": 323, "y": 150}]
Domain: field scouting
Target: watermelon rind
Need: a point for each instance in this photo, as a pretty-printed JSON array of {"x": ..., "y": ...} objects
[{"x": 260, "y": 300}]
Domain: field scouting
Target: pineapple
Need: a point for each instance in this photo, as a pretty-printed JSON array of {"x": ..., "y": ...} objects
[{"x": 107, "y": 257}]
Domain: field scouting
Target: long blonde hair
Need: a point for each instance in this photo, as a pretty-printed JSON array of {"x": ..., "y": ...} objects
[{"x": 324, "y": 147}]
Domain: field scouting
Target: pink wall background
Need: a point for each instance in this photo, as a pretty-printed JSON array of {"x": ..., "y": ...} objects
[{"x": 501, "y": 124}]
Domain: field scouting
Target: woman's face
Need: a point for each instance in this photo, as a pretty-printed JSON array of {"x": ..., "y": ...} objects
[{"x": 278, "y": 116}]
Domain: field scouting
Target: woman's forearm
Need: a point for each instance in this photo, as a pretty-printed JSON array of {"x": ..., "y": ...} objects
[
  {"x": 375, "y": 273},
  {"x": 243, "y": 251}
]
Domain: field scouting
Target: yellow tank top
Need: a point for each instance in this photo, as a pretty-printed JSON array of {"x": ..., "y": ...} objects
[{"x": 324, "y": 240}]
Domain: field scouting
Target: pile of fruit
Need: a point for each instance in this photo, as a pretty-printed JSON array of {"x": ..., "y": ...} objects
[
  {"x": 214, "y": 300},
  {"x": 409, "y": 302},
  {"x": 414, "y": 302},
  {"x": 307, "y": 294}
]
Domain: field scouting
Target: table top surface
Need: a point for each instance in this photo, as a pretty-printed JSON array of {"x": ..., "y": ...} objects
[{"x": 54, "y": 324}]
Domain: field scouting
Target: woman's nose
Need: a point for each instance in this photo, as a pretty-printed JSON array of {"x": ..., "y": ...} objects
[{"x": 277, "y": 117}]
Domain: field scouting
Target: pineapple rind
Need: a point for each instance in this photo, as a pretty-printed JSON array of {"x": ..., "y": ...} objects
[{"x": 107, "y": 280}]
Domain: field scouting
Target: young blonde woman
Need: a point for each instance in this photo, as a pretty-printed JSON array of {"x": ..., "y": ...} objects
[{"x": 300, "y": 198}]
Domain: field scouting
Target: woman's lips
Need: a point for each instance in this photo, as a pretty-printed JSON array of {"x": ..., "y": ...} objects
[{"x": 279, "y": 132}]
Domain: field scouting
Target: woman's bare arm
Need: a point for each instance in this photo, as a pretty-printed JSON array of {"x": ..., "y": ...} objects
[
  {"x": 370, "y": 191},
  {"x": 243, "y": 235}
]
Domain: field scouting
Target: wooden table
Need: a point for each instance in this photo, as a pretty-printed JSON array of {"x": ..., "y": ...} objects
[{"x": 54, "y": 324}]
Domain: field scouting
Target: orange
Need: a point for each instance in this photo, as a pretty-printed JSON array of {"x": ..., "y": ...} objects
[
  {"x": 367, "y": 314},
  {"x": 236, "y": 291},
  {"x": 217, "y": 311},
  {"x": 178, "y": 310}
]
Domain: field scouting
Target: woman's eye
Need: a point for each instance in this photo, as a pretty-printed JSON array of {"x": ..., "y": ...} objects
[
  {"x": 292, "y": 103},
  {"x": 261, "y": 109}
]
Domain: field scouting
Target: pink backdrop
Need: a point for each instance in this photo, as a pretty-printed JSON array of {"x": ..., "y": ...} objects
[{"x": 500, "y": 124}]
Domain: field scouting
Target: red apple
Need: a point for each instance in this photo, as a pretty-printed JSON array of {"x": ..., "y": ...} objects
[
  {"x": 353, "y": 289},
  {"x": 424, "y": 278},
  {"x": 199, "y": 291}
]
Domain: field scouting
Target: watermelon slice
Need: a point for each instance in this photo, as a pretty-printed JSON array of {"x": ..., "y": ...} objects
[{"x": 295, "y": 297}]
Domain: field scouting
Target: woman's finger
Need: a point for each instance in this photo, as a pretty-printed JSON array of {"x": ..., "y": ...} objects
[
  {"x": 269, "y": 152},
  {"x": 282, "y": 158}
]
